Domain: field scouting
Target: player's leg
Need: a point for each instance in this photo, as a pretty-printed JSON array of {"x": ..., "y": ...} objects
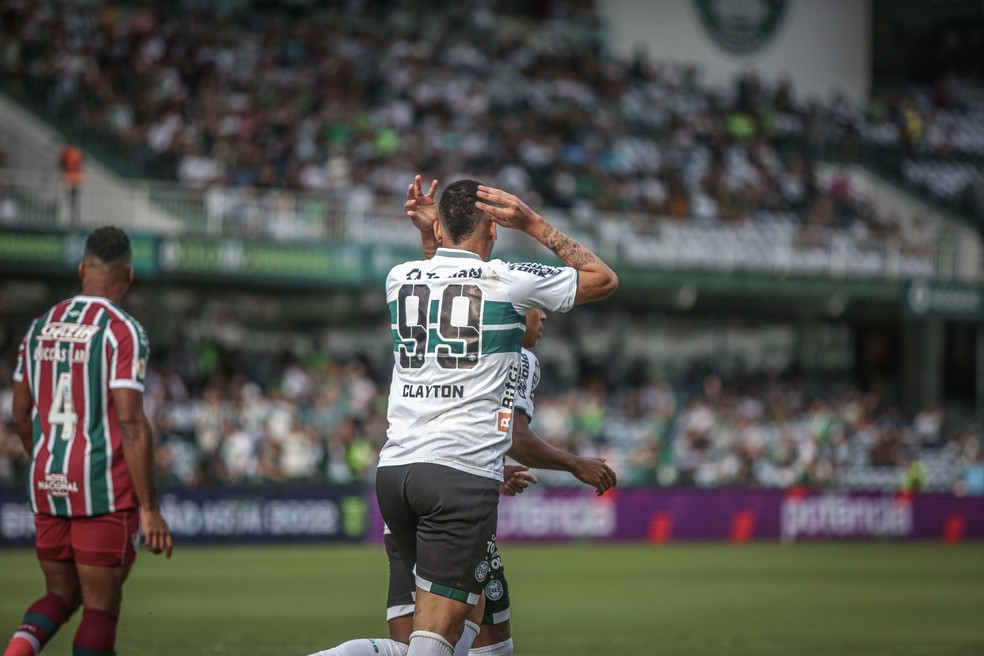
[
  {"x": 104, "y": 551},
  {"x": 102, "y": 592},
  {"x": 399, "y": 612},
  {"x": 470, "y": 630},
  {"x": 495, "y": 638},
  {"x": 43, "y": 618},
  {"x": 455, "y": 536},
  {"x": 366, "y": 647},
  {"x": 400, "y": 604}
]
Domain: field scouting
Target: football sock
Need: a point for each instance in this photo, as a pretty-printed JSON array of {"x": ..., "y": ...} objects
[
  {"x": 96, "y": 635},
  {"x": 425, "y": 643},
  {"x": 41, "y": 621},
  {"x": 467, "y": 638},
  {"x": 504, "y": 648},
  {"x": 367, "y": 647}
]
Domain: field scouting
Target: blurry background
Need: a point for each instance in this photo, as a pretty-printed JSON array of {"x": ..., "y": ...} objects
[{"x": 791, "y": 191}]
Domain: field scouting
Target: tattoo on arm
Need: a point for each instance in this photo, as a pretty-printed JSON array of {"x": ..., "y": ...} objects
[{"x": 568, "y": 250}]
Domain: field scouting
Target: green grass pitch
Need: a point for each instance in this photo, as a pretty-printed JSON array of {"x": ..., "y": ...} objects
[{"x": 572, "y": 600}]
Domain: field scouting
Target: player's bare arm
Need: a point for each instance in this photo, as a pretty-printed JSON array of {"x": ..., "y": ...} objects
[
  {"x": 22, "y": 407},
  {"x": 596, "y": 280},
  {"x": 138, "y": 453},
  {"x": 529, "y": 449},
  {"x": 422, "y": 210}
]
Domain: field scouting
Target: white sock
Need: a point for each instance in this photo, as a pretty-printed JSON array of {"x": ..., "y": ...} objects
[
  {"x": 366, "y": 647},
  {"x": 425, "y": 643},
  {"x": 504, "y": 648},
  {"x": 467, "y": 638}
]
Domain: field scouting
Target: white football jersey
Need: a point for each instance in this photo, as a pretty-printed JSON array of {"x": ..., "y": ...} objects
[
  {"x": 529, "y": 378},
  {"x": 457, "y": 324}
]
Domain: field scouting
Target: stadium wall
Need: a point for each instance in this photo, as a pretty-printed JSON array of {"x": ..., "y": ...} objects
[
  {"x": 284, "y": 514},
  {"x": 823, "y": 46}
]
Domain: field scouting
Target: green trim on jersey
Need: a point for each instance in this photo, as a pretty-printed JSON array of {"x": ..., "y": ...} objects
[
  {"x": 501, "y": 313},
  {"x": 494, "y": 339},
  {"x": 99, "y": 448}
]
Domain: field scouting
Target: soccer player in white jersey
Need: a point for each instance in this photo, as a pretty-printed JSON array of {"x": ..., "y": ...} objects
[
  {"x": 494, "y": 638},
  {"x": 78, "y": 409},
  {"x": 457, "y": 321}
]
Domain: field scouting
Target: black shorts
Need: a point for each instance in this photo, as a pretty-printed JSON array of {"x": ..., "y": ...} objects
[
  {"x": 443, "y": 521},
  {"x": 403, "y": 586}
]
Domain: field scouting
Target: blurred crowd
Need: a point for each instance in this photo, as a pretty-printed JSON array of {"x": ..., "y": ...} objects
[
  {"x": 224, "y": 419},
  {"x": 349, "y": 102},
  {"x": 352, "y": 101}
]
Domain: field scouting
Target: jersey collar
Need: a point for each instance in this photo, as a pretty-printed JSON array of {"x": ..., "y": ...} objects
[
  {"x": 457, "y": 253},
  {"x": 87, "y": 297}
]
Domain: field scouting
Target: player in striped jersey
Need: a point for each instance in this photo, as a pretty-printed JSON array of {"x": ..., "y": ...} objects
[
  {"x": 458, "y": 323},
  {"x": 78, "y": 409}
]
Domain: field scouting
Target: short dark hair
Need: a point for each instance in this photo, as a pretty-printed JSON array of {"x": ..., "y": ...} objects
[
  {"x": 459, "y": 216},
  {"x": 109, "y": 244}
]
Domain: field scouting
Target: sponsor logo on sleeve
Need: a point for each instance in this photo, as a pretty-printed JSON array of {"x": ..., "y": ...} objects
[
  {"x": 504, "y": 419},
  {"x": 537, "y": 269}
]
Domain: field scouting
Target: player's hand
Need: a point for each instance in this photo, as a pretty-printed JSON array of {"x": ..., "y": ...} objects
[
  {"x": 505, "y": 209},
  {"x": 516, "y": 478},
  {"x": 594, "y": 472},
  {"x": 157, "y": 535},
  {"x": 421, "y": 207}
]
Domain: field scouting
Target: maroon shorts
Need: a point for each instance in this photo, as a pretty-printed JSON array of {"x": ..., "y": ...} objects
[{"x": 103, "y": 540}]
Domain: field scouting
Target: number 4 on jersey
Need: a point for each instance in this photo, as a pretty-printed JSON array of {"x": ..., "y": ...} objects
[{"x": 62, "y": 411}]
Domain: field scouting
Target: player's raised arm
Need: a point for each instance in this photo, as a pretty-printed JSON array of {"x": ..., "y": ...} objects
[
  {"x": 595, "y": 280},
  {"x": 529, "y": 449},
  {"x": 422, "y": 210},
  {"x": 138, "y": 453}
]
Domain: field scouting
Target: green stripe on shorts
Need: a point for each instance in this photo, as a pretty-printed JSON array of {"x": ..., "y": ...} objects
[{"x": 453, "y": 593}]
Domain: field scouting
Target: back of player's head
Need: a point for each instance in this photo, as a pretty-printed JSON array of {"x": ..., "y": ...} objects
[
  {"x": 459, "y": 216},
  {"x": 110, "y": 246}
]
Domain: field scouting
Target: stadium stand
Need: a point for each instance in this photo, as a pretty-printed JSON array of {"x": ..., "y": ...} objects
[
  {"x": 240, "y": 105},
  {"x": 274, "y": 128}
]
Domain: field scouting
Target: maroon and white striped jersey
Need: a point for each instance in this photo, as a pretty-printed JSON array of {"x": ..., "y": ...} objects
[{"x": 71, "y": 358}]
